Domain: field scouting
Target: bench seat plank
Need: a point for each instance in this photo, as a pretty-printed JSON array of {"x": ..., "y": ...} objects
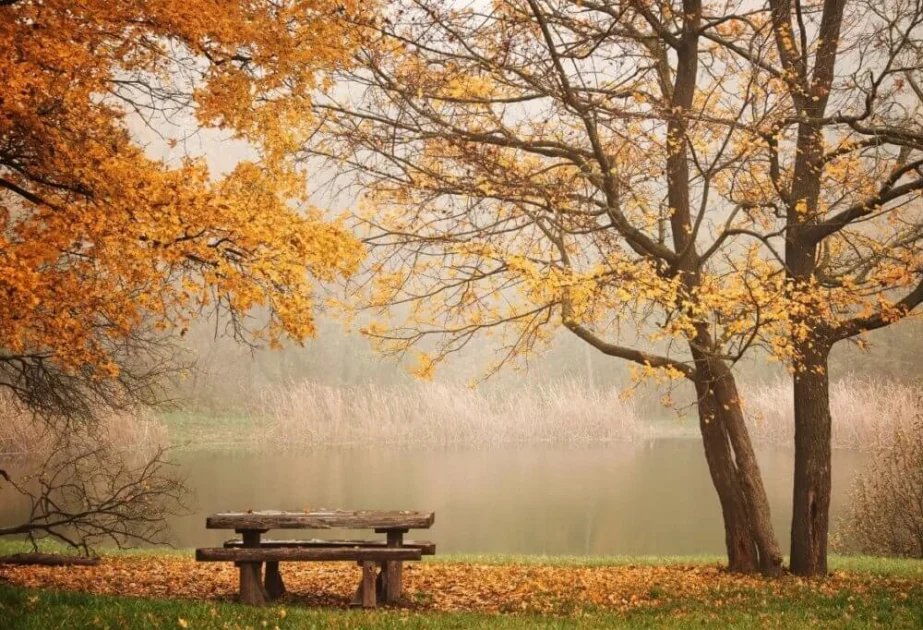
[
  {"x": 340, "y": 519},
  {"x": 296, "y": 554},
  {"x": 426, "y": 547}
]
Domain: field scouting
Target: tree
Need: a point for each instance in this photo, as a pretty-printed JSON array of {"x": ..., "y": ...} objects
[
  {"x": 105, "y": 253},
  {"x": 527, "y": 169},
  {"x": 608, "y": 167},
  {"x": 850, "y": 202},
  {"x": 85, "y": 493}
]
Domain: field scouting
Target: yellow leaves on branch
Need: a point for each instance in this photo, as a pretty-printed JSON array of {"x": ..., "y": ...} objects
[
  {"x": 497, "y": 208},
  {"x": 98, "y": 240},
  {"x": 425, "y": 368}
]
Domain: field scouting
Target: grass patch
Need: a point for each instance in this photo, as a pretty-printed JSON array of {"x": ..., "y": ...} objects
[
  {"x": 205, "y": 431},
  {"x": 9, "y": 547},
  {"x": 27, "y": 609},
  {"x": 500, "y": 559},
  {"x": 893, "y": 567},
  {"x": 466, "y": 591}
]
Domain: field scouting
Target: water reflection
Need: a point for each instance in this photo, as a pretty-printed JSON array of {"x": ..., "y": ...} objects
[{"x": 648, "y": 498}]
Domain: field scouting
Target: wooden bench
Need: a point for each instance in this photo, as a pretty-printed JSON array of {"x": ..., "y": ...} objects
[{"x": 250, "y": 552}]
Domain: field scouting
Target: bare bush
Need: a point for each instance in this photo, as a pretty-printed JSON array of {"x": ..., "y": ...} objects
[
  {"x": 88, "y": 480},
  {"x": 428, "y": 413},
  {"x": 886, "y": 511},
  {"x": 865, "y": 412},
  {"x": 85, "y": 493}
]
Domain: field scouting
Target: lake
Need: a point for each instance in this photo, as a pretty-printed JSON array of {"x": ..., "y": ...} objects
[{"x": 647, "y": 498}]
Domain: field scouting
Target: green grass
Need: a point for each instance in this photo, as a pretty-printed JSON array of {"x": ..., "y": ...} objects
[
  {"x": 893, "y": 567},
  {"x": 203, "y": 431},
  {"x": 9, "y": 547},
  {"x": 875, "y": 602},
  {"x": 572, "y": 561},
  {"x": 24, "y": 609}
]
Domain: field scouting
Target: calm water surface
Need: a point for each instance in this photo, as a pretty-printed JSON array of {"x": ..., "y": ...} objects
[{"x": 650, "y": 498}]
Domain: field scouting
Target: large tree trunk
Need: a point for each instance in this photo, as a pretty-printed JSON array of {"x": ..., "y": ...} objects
[
  {"x": 811, "y": 501},
  {"x": 717, "y": 389},
  {"x": 741, "y": 547},
  {"x": 811, "y": 498},
  {"x": 748, "y": 470}
]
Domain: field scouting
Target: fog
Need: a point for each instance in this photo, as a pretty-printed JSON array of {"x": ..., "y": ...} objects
[{"x": 645, "y": 490}]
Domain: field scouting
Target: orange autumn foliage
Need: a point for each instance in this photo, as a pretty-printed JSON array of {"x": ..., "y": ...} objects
[{"x": 99, "y": 240}]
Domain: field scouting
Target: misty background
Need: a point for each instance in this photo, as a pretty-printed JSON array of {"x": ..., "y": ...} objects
[{"x": 567, "y": 456}]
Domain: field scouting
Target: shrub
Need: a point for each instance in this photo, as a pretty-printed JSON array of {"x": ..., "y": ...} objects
[{"x": 886, "y": 512}]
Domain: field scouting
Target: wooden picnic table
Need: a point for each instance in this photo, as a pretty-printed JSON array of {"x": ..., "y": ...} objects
[{"x": 251, "y": 551}]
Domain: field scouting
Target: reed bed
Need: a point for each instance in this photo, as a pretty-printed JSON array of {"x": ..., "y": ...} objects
[
  {"x": 865, "y": 412},
  {"x": 21, "y": 433},
  {"x": 432, "y": 413}
]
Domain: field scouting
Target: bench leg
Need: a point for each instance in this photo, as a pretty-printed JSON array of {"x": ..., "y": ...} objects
[
  {"x": 251, "y": 587},
  {"x": 275, "y": 587}
]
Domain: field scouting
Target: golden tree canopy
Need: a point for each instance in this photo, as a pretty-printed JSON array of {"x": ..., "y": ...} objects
[
  {"x": 98, "y": 240},
  {"x": 688, "y": 169}
]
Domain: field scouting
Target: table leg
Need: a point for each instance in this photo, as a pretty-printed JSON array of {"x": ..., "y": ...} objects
[
  {"x": 251, "y": 589},
  {"x": 393, "y": 570},
  {"x": 251, "y": 584}
]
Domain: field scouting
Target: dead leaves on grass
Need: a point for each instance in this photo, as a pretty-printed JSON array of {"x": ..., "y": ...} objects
[{"x": 556, "y": 590}]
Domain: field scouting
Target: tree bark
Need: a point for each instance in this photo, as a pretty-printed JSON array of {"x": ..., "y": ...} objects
[
  {"x": 748, "y": 470},
  {"x": 736, "y": 459},
  {"x": 741, "y": 548},
  {"x": 812, "y": 482},
  {"x": 811, "y": 500}
]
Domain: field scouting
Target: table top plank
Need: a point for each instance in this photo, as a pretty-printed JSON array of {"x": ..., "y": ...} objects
[{"x": 337, "y": 519}]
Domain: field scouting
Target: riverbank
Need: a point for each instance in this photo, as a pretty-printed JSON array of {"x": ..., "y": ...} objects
[{"x": 466, "y": 591}]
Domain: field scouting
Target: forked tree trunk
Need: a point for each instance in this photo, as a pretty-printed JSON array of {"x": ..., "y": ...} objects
[
  {"x": 730, "y": 455},
  {"x": 811, "y": 498},
  {"x": 748, "y": 470},
  {"x": 741, "y": 547},
  {"x": 736, "y": 478}
]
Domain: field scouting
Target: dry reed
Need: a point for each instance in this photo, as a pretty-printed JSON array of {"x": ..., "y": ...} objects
[
  {"x": 885, "y": 517},
  {"x": 865, "y": 412},
  {"x": 428, "y": 413},
  {"x": 21, "y": 433}
]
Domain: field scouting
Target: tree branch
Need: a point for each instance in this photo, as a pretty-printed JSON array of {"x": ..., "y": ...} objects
[
  {"x": 629, "y": 354},
  {"x": 860, "y": 325}
]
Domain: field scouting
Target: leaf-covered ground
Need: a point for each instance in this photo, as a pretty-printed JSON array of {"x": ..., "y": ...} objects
[{"x": 558, "y": 591}]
